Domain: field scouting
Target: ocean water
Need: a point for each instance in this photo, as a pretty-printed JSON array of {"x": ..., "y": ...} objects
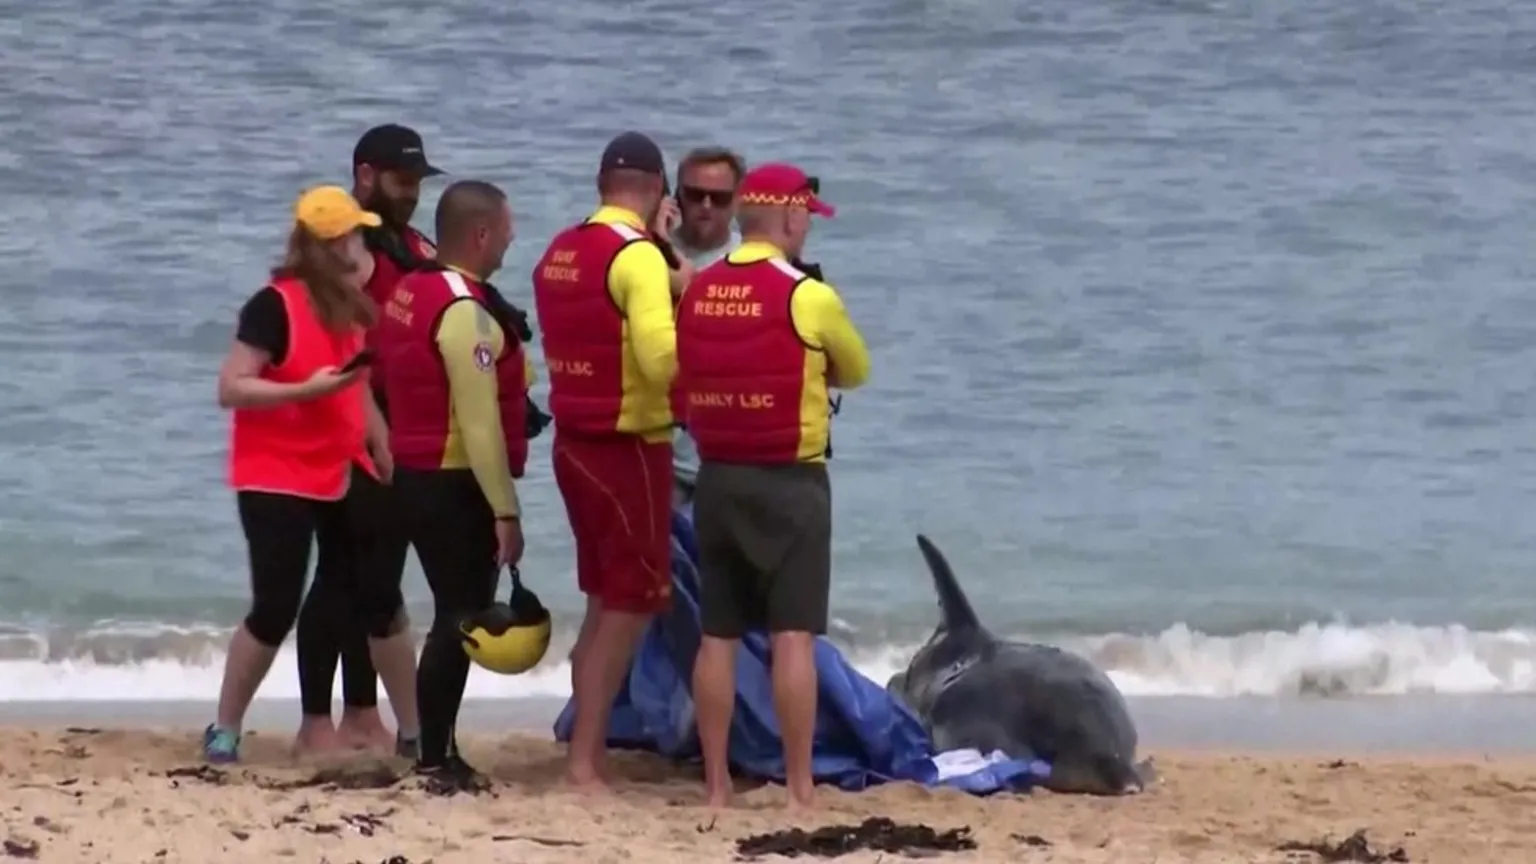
[{"x": 1203, "y": 330}]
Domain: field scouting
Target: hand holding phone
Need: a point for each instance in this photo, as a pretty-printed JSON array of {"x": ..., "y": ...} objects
[
  {"x": 358, "y": 361},
  {"x": 668, "y": 217}
]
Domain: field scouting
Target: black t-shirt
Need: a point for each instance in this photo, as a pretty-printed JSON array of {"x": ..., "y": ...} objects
[{"x": 264, "y": 324}]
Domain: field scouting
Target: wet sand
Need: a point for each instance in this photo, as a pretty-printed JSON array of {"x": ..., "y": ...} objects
[{"x": 103, "y": 794}]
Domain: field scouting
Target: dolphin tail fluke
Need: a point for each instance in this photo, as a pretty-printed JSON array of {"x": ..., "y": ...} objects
[{"x": 958, "y": 614}]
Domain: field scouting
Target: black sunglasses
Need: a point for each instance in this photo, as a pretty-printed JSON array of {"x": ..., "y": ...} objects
[{"x": 720, "y": 198}]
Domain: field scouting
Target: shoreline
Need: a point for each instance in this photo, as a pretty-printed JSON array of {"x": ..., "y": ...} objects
[
  {"x": 1396, "y": 726},
  {"x": 102, "y": 795}
]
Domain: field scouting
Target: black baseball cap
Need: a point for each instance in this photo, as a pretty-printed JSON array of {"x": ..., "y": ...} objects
[
  {"x": 635, "y": 152},
  {"x": 392, "y": 147}
]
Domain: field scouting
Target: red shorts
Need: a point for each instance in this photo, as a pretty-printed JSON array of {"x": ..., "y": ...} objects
[{"x": 618, "y": 498}]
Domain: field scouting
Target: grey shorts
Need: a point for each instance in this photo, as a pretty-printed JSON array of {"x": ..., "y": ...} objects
[{"x": 765, "y": 548}]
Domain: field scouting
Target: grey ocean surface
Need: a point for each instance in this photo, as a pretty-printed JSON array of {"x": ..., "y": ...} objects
[{"x": 1203, "y": 331}]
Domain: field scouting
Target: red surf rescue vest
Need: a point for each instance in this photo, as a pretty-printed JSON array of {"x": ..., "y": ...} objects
[
  {"x": 416, "y": 384},
  {"x": 583, "y": 329},
  {"x": 741, "y": 364},
  {"x": 390, "y": 264}
]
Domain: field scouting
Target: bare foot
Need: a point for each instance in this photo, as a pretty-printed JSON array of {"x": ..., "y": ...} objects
[
  {"x": 317, "y": 735},
  {"x": 365, "y": 730},
  {"x": 595, "y": 786},
  {"x": 800, "y": 800},
  {"x": 719, "y": 799},
  {"x": 586, "y": 779}
]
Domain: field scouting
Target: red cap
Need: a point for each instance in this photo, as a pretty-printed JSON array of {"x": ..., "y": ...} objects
[{"x": 784, "y": 185}]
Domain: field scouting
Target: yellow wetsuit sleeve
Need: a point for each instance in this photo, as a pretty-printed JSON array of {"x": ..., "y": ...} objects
[
  {"x": 641, "y": 284},
  {"x": 822, "y": 321},
  {"x": 472, "y": 394}
]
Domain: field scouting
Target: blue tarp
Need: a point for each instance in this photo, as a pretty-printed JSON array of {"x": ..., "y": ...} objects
[{"x": 864, "y": 736}]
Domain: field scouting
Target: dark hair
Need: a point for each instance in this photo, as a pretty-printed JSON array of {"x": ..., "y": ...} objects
[
  {"x": 712, "y": 156},
  {"x": 327, "y": 273},
  {"x": 465, "y": 205}
]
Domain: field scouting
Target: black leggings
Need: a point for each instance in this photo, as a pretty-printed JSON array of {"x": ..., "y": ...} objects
[
  {"x": 454, "y": 532},
  {"x": 355, "y": 594},
  {"x": 321, "y": 643}
]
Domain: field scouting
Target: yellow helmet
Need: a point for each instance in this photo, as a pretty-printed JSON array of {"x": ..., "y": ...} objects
[{"x": 508, "y": 638}]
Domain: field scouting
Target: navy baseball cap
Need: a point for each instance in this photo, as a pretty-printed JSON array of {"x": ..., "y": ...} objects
[
  {"x": 635, "y": 152},
  {"x": 392, "y": 147}
]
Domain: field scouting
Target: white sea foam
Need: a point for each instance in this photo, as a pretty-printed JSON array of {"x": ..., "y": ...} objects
[{"x": 1319, "y": 660}]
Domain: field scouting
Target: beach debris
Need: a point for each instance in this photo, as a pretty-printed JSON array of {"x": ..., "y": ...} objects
[
  {"x": 876, "y": 834},
  {"x": 1516, "y": 788},
  {"x": 70, "y": 751},
  {"x": 1339, "y": 763},
  {"x": 349, "y": 778},
  {"x": 366, "y": 824},
  {"x": 705, "y": 829},
  {"x": 62, "y": 787},
  {"x": 242, "y": 836},
  {"x": 206, "y": 773},
  {"x": 393, "y": 859},
  {"x": 1354, "y": 848},
  {"x": 376, "y": 776},
  {"x": 542, "y": 841},
  {"x": 449, "y": 786},
  {"x": 20, "y": 847},
  {"x": 82, "y": 730},
  {"x": 49, "y": 825},
  {"x": 1031, "y": 840},
  {"x": 296, "y": 817}
]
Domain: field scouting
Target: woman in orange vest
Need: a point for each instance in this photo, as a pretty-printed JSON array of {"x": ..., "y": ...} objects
[{"x": 308, "y": 459}]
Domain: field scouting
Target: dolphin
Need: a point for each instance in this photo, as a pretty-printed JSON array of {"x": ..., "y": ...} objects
[{"x": 974, "y": 690}]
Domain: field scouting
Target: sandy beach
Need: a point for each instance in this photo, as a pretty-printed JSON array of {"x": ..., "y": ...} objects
[{"x": 114, "y": 795}]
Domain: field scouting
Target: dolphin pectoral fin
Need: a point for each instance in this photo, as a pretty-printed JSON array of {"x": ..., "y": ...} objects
[
  {"x": 1146, "y": 772},
  {"x": 897, "y": 686}
]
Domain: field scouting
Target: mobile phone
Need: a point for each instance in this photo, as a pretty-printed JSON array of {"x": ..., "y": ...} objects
[{"x": 359, "y": 360}]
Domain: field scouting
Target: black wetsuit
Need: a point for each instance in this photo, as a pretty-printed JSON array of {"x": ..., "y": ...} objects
[{"x": 353, "y": 536}]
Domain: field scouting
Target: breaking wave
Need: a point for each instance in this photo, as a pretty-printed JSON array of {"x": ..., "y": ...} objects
[{"x": 1314, "y": 660}]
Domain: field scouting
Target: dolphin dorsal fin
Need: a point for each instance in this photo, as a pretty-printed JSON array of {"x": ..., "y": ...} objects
[{"x": 958, "y": 614}]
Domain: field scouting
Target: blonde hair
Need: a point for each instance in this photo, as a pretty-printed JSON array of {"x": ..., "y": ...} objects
[{"x": 327, "y": 272}]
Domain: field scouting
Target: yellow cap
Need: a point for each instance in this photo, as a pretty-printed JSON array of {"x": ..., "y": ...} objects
[{"x": 331, "y": 211}]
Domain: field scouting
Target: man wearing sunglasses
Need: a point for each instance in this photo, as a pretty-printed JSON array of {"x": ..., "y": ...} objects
[
  {"x": 706, "y": 196},
  {"x": 760, "y": 343}
]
